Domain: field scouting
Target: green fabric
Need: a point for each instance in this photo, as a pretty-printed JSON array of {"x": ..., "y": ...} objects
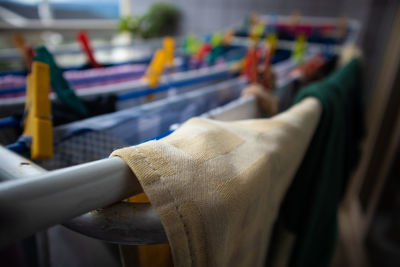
[
  {"x": 310, "y": 206},
  {"x": 60, "y": 85}
]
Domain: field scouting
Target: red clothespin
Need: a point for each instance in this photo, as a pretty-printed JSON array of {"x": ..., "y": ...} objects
[
  {"x": 251, "y": 63},
  {"x": 203, "y": 52},
  {"x": 83, "y": 39}
]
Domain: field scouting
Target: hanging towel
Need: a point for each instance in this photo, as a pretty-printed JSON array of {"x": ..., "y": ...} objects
[
  {"x": 306, "y": 230},
  {"x": 217, "y": 186}
]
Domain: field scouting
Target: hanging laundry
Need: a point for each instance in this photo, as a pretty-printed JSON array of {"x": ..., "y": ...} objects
[
  {"x": 306, "y": 229},
  {"x": 214, "y": 214}
]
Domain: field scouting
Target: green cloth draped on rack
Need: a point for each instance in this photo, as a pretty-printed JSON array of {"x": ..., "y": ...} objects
[{"x": 307, "y": 224}]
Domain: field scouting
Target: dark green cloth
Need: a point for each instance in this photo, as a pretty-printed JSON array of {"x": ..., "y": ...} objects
[{"x": 309, "y": 209}]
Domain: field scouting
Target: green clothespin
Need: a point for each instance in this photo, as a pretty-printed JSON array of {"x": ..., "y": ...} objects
[
  {"x": 63, "y": 90},
  {"x": 192, "y": 44},
  {"x": 216, "y": 39},
  {"x": 216, "y": 52},
  {"x": 299, "y": 48},
  {"x": 258, "y": 31}
]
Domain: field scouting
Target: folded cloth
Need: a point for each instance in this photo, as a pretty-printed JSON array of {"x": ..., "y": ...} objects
[{"x": 217, "y": 186}]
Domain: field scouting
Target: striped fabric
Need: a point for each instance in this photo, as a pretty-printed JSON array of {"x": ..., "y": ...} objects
[{"x": 217, "y": 186}]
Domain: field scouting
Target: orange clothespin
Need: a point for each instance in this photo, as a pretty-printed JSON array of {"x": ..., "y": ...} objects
[
  {"x": 25, "y": 50},
  {"x": 169, "y": 48},
  {"x": 37, "y": 124},
  {"x": 83, "y": 39},
  {"x": 228, "y": 37},
  {"x": 342, "y": 27},
  {"x": 251, "y": 63},
  {"x": 155, "y": 70}
]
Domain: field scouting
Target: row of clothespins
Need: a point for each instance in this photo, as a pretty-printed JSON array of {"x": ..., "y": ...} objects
[
  {"x": 255, "y": 27},
  {"x": 37, "y": 122}
]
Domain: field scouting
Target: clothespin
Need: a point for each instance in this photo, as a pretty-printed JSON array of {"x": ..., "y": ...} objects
[
  {"x": 192, "y": 44},
  {"x": 155, "y": 70},
  {"x": 299, "y": 48},
  {"x": 217, "y": 49},
  {"x": 169, "y": 48},
  {"x": 61, "y": 86},
  {"x": 203, "y": 52},
  {"x": 216, "y": 39},
  {"x": 342, "y": 27},
  {"x": 271, "y": 43},
  {"x": 251, "y": 64},
  {"x": 83, "y": 39},
  {"x": 257, "y": 31},
  {"x": 227, "y": 38},
  {"x": 37, "y": 124},
  {"x": 25, "y": 50}
]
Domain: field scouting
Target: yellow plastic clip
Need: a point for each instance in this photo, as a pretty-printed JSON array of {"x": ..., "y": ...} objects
[
  {"x": 169, "y": 48},
  {"x": 299, "y": 48},
  {"x": 271, "y": 43},
  {"x": 156, "y": 68},
  {"x": 37, "y": 122}
]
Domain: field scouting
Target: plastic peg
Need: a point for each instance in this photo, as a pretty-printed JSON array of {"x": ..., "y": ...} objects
[
  {"x": 156, "y": 68},
  {"x": 37, "y": 124},
  {"x": 61, "y": 86},
  {"x": 169, "y": 48},
  {"x": 84, "y": 41},
  {"x": 299, "y": 48}
]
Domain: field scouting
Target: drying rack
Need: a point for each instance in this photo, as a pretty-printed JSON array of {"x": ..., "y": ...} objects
[{"x": 33, "y": 199}]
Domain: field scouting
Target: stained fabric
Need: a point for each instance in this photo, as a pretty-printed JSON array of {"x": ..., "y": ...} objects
[
  {"x": 217, "y": 186},
  {"x": 309, "y": 210}
]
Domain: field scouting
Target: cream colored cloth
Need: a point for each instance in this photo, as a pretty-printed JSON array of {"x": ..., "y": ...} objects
[{"x": 217, "y": 186}]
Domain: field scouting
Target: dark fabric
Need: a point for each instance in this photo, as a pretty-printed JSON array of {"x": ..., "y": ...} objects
[
  {"x": 310, "y": 206},
  {"x": 62, "y": 114}
]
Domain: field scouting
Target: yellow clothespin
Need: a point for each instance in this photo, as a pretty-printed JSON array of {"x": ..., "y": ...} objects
[
  {"x": 37, "y": 124},
  {"x": 299, "y": 48},
  {"x": 271, "y": 43},
  {"x": 257, "y": 31},
  {"x": 156, "y": 68},
  {"x": 169, "y": 48}
]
